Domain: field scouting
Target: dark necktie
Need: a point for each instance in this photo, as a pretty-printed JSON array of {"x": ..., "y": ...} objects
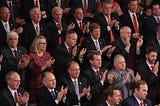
[
  {"x": 11, "y": 11},
  {"x": 16, "y": 54},
  {"x": 158, "y": 20},
  {"x": 98, "y": 75},
  {"x": 53, "y": 95}
]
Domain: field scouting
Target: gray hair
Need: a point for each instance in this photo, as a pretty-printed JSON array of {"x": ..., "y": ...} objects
[
  {"x": 57, "y": 8},
  {"x": 12, "y": 33},
  {"x": 124, "y": 28},
  {"x": 32, "y": 11}
]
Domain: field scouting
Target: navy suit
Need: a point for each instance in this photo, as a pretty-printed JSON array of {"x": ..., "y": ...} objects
[
  {"x": 6, "y": 98},
  {"x": 131, "y": 101}
]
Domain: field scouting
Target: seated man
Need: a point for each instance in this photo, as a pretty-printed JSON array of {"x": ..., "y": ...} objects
[
  {"x": 48, "y": 95},
  {"x": 12, "y": 94},
  {"x": 139, "y": 96}
]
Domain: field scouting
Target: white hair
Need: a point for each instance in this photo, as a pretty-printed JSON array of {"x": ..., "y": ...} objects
[{"x": 12, "y": 33}]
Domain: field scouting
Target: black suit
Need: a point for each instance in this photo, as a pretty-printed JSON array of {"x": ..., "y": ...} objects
[
  {"x": 9, "y": 63},
  {"x": 126, "y": 20},
  {"x": 29, "y": 33},
  {"x": 152, "y": 81},
  {"x": 53, "y": 35},
  {"x": 72, "y": 98},
  {"x": 131, "y": 101},
  {"x": 3, "y": 33},
  {"x": 104, "y": 103},
  {"x": 96, "y": 86},
  {"x": 44, "y": 98},
  {"x": 105, "y": 34},
  {"x": 6, "y": 98}
]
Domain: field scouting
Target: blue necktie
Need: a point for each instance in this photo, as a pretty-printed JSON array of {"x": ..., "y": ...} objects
[
  {"x": 77, "y": 90},
  {"x": 53, "y": 95}
]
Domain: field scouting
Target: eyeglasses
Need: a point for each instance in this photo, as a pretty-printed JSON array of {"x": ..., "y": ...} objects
[{"x": 16, "y": 80}]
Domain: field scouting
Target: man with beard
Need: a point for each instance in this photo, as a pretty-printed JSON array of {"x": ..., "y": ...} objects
[{"x": 149, "y": 71}]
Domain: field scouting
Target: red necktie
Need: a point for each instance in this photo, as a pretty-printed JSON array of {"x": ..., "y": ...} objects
[
  {"x": 80, "y": 25},
  {"x": 37, "y": 4},
  {"x": 111, "y": 33},
  {"x": 85, "y": 7},
  {"x": 135, "y": 24},
  {"x": 141, "y": 103},
  {"x": 16, "y": 97},
  {"x": 158, "y": 20},
  {"x": 98, "y": 75},
  {"x": 152, "y": 69},
  {"x": 59, "y": 40}
]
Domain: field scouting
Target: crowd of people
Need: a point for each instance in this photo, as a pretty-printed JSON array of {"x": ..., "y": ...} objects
[{"x": 79, "y": 53}]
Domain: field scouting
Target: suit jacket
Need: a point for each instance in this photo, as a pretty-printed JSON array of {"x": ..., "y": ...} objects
[
  {"x": 131, "y": 101},
  {"x": 6, "y": 98},
  {"x": 152, "y": 81},
  {"x": 44, "y": 98},
  {"x": 3, "y": 33},
  {"x": 91, "y": 6},
  {"x": 29, "y": 33},
  {"x": 53, "y": 35},
  {"x": 150, "y": 28},
  {"x": 118, "y": 81},
  {"x": 105, "y": 34},
  {"x": 104, "y": 103},
  {"x": 129, "y": 57},
  {"x": 62, "y": 57},
  {"x": 10, "y": 63},
  {"x": 71, "y": 97},
  {"x": 126, "y": 20},
  {"x": 96, "y": 86}
]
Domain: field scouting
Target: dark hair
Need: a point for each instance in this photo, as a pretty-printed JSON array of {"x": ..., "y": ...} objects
[
  {"x": 154, "y": 3},
  {"x": 94, "y": 26},
  {"x": 44, "y": 74},
  {"x": 151, "y": 49},
  {"x": 138, "y": 83},
  {"x": 109, "y": 91},
  {"x": 90, "y": 55},
  {"x": 105, "y": 2}
]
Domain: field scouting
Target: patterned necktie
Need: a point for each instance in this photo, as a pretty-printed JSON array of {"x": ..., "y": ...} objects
[{"x": 135, "y": 23}]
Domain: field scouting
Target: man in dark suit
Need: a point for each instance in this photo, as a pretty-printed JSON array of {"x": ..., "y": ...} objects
[
  {"x": 48, "y": 94},
  {"x": 152, "y": 22},
  {"x": 96, "y": 76},
  {"x": 33, "y": 28},
  {"x": 78, "y": 89},
  {"x": 109, "y": 23},
  {"x": 67, "y": 52},
  {"x": 139, "y": 96},
  {"x": 132, "y": 19},
  {"x": 149, "y": 71},
  {"x": 113, "y": 97},
  {"x": 56, "y": 29},
  {"x": 14, "y": 58},
  {"x": 13, "y": 95},
  {"x": 129, "y": 49},
  {"x": 6, "y": 25}
]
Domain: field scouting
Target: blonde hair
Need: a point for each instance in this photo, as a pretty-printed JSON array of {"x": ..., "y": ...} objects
[{"x": 35, "y": 42}]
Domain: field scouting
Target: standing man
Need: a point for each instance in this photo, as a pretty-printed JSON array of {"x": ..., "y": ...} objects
[
  {"x": 12, "y": 94},
  {"x": 139, "y": 97},
  {"x": 48, "y": 94},
  {"x": 149, "y": 71}
]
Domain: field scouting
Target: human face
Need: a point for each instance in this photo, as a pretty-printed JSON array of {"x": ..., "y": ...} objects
[
  {"x": 74, "y": 70},
  {"x": 126, "y": 34},
  {"x": 142, "y": 92},
  {"x": 12, "y": 41},
  {"x": 96, "y": 62},
  {"x": 133, "y": 6},
  {"x": 107, "y": 8},
  {"x": 151, "y": 57},
  {"x": 148, "y": 12},
  {"x": 50, "y": 81},
  {"x": 96, "y": 33},
  {"x": 156, "y": 10},
  {"x": 57, "y": 15},
  {"x": 5, "y": 14},
  {"x": 116, "y": 97},
  {"x": 120, "y": 63},
  {"x": 79, "y": 14},
  {"x": 36, "y": 16},
  {"x": 72, "y": 40},
  {"x": 42, "y": 45},
  {"x": 14, "y": 81}
]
